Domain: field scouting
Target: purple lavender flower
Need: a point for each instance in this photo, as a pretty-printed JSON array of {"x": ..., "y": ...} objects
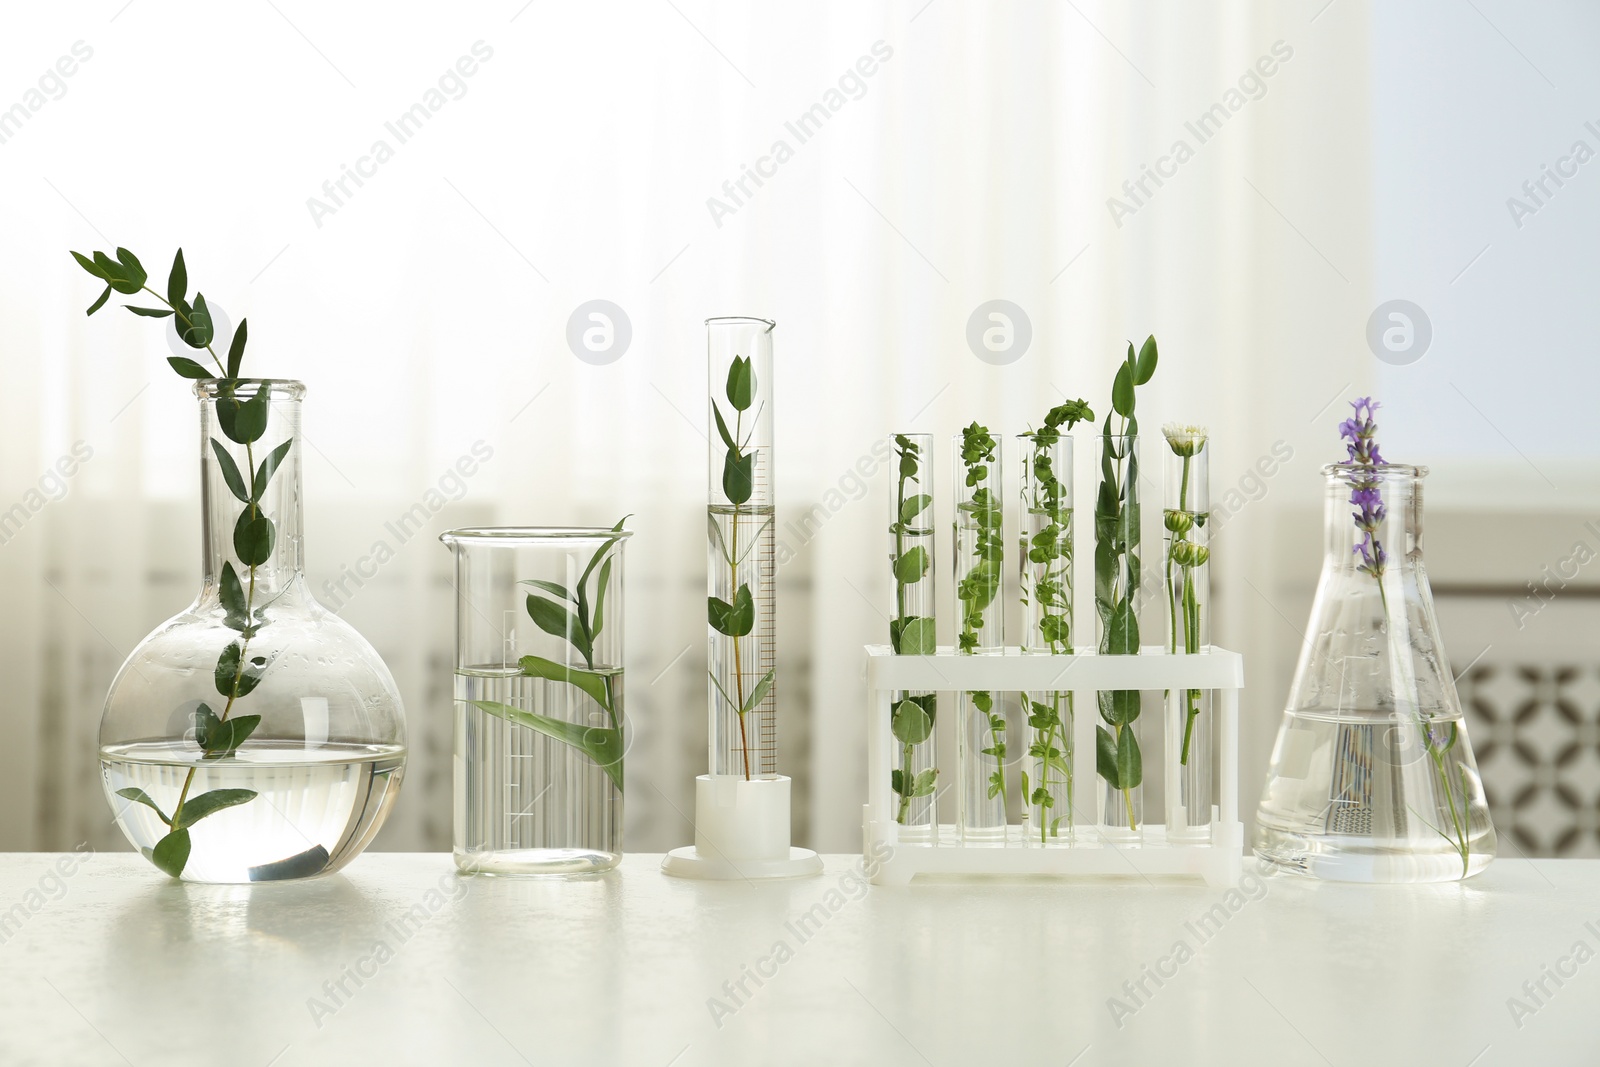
[{"x": 1360, "y": 434}]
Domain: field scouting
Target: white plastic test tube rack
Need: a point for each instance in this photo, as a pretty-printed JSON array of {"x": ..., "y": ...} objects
[{"x": 1219, "y": 861}]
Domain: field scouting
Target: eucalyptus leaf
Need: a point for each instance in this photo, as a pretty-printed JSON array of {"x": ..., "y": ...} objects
[
  {"x": 759, "y": 692},
  {"x": 230, "y": 472},
  {"x": 139, "y": 796},
  {"x": 171, "y": 853},
  {"x": 149, "y": 313},
  {"x": 231, "y": 592},
  {"x": 188, "y": 367},
  {"x": 198, "y": 332},
  {"x": 177, "y": 280},
  {"x": 741, "y": 383},
  {"x": 236, "y": 349},
  {"x": 738, "y": 476},
  {"x": 252, "y": 537},
  {"x": 100, "y": 303},
  {"x": 244, "y": 421},
  {"x": 268, "y": 468},
  {"x": 732, "y": 620},
  {"x": 722, "y": 428},
  {"x": 197, "y": 808}
]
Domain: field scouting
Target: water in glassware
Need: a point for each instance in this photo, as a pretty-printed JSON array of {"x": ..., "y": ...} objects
[
  {"x": 1354, "y": 797},
  {"x": 315, "y": 809},
  {"x": 526, "y": 803}
]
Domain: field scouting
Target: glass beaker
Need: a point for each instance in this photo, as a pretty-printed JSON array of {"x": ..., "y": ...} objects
[
  {"x": 1045, "y": 573},
  {"x": 255, "y": 736},
  {"x": 913, "y": 714},
  {"x": 540, "y": 721},
  {"x": 1372, "y": 777}
]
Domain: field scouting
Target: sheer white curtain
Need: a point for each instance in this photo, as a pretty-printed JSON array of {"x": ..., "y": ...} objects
[{"x": 935, "y": 157}]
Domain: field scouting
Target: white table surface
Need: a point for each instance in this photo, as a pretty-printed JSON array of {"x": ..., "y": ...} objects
[{"x": 114, "y": 964}]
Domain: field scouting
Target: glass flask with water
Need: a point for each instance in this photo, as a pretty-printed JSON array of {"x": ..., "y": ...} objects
[
  {"x": 254, "y": 736},
  {"x": 1373, "y": 777},
  {"x": 539, "y": 719}
]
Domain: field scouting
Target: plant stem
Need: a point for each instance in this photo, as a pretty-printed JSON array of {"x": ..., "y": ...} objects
[
  {"x": 221, "y": 371},
  {"x": 738, "y": 669},
  {"x": 244, "y": 645}
]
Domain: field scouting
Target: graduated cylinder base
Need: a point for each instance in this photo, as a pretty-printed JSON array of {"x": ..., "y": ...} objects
[{"x": 741, "y": 831}]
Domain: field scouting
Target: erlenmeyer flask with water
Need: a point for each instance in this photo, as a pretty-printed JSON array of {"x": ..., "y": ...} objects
[{"x": 1372, "y": 777}]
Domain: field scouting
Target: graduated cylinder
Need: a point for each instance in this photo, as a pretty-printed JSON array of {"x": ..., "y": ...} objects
[
  {"x": 741, "y": 566},
  {"x": 979, "y": 556},
  {"x": 913, "y": 714}
]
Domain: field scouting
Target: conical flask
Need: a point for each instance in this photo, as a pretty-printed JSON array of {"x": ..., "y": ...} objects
[{"x": 1373, "y": 777}]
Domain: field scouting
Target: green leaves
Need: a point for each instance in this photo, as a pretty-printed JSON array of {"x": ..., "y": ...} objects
[
  {"x": 139, "y": 796},
  {"x": 268, "y": 468},
  {"x": 230, "y": 472},
  {"x": 739, "y": 476},
  {"x": 914, "y": 506},
  {"x": 244, "y": 421},
  {"x": 1146, "y": 367},
  {"x": 194, "y": 325},
  {"x": 911, "y": 566},
  {"x": 741, "y": 383},
  {"x": 236, "y": 350},
  {"x": 602, "y": 744},
  {"x": 218, "y": 738},
  {"x": 171, "y": 853},
  {"x": 732, "y": 620},
  {"x": 722, "y": 429},
  {"x": 149, "y": 313},
  {"x": 1117, "y": 759},
  {"x": 124, "y": 274},
  {"x": 177, "y": 281},
  {"x": 1122, "y": 388},
  {"x": 910, "y": 721},
  {"x": 187, "y": 367},
  {"x": 912, "y": 635},
  {"x": 557, "y": 621},
  {"x": 589, "y": 682},
  {"x": 549, "y": 587},
  {"x": 253, "y": 536},
  {"x": 234, "y": 679},
  {"x": 205, "y": 804}
]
